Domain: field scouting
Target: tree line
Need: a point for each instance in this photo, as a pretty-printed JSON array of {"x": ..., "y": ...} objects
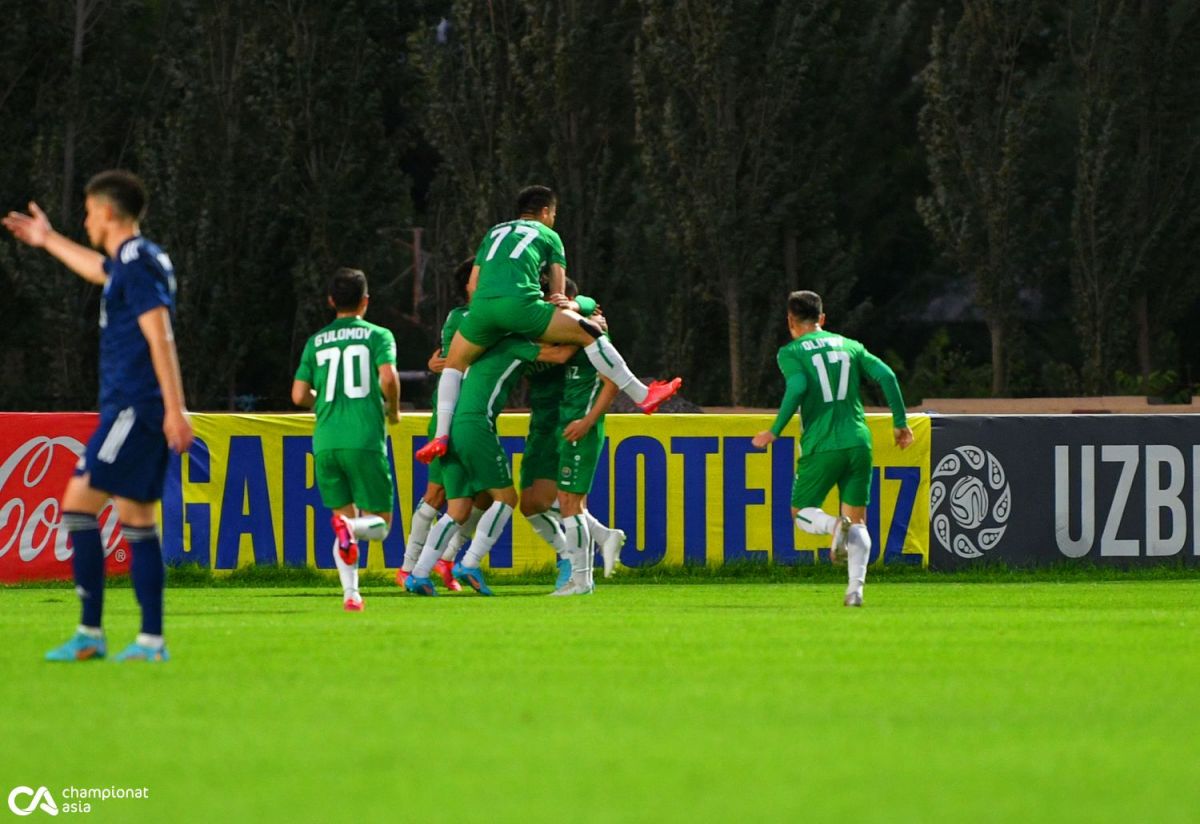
[{"x": 999, "y": 197}]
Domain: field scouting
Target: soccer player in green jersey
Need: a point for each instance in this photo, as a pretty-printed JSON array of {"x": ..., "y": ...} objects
[
  {"x": 435, "y": 493},
  {"x": 508, "y": 300},
  {"x": 478, "y": 462},
  {"x": 585, "y": 400},
  {"x": 823, "y": 371},
  {"x": 348, "y": 371},
  {"x": 539, "y": 461}
]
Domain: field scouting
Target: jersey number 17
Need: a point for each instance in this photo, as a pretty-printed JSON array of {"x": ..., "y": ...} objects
[{"x": 841, "y": 358}]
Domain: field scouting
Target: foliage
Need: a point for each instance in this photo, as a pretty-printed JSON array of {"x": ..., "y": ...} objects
[{"x": 710, "y": 157}]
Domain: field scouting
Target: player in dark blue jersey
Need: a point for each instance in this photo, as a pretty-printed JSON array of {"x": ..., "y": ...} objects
[{"x": 142, "y": 409}]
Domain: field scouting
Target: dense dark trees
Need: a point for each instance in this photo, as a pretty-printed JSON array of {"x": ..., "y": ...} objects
[{"x": 1002, "y": 196}]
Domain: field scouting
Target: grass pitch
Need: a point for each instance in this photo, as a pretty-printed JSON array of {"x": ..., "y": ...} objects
[{"x": 718, "y": 701}]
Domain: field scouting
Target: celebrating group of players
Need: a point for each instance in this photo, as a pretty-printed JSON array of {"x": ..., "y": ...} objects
[{"x": 521, "y": 317}]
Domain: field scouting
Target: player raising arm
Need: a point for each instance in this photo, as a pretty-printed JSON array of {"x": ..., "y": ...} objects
[
  {"x": 351, "y": 365},
  {"x": 508, "y": 300},
  {"x": 823, "y": 371},
  {"x": 142, "y": 409}
]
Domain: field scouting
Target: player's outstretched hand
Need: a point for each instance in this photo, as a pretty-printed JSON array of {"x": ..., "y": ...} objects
[
  {"x": 763, "y": 439},
  {"x": 903, "y": 436},
  {"x": 32, "y": 229},
  {"x": 178, "y": 430},
  {"x": 575, "y": 431}
]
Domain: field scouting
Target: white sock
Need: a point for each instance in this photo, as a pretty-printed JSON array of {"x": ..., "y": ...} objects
[
  {"x": 448, "y": 386},
  {"x": 579, "y": 549},
  {"x": 489, "y": 531},
  {"x": 422, "y": 520},
  {"x": 813, "y": 520},
  {"x": 151, "y": 641},
  {"x": 348, "y": 573},
  {"x": 598, "y": 531},
  {"x": 610, "y": 364},
  {"x": 465, "y": 533},
  {"x": 439, "y": 536},
  {"x": 369, "y": 527},
  {"x": 550, "y": 531},
  {"x": 858, "y": 551},
  {"x": 90, "y": 632}
]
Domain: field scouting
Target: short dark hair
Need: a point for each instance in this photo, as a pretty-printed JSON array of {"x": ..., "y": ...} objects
[
  {"x": 805, "y": 305},
  {"x": 462, "y": 276},
  {"x": 571, "y": 289},
  {"x": 122, "y": 189},
  {"x": 532, "y": 199},
  {"x": 347, "y": 288}
]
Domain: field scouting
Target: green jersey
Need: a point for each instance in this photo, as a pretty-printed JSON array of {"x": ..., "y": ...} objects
[
  {"x": 545, "y": 392},
  {"x": 823, "y": 372},
  {"x": 546, "y": 381},
  {"x": 581, "y": 387},
  {"x": 454, "y": 320},
  {"x": 491, "y": 379},
  {"x": 341, "y": 362},
  {"x": 513, "y": 255}
]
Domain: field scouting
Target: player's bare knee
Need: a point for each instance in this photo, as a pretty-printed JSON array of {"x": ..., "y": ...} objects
[{"x": 459, "y": 509}]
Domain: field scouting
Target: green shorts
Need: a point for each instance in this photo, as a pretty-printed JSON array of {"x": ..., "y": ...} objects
[
  {"x": 577, "y": 461},
  {"x": 476, "y": 460},
  {"x": 358, "y": 476},
  {"x": 490, "y": 319},
  {"x": 540, "y": 459},
  {"x": 847, "y": 469}
]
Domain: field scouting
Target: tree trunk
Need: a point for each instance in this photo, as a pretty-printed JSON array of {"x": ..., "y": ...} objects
[
  {"x": 999, "y": 358},
  {"x": 791, "y": 255},
  {"x": 1142, "y": 313},
  {"x": 82, "y": 12},
  {"x": 736, "y": 390}
]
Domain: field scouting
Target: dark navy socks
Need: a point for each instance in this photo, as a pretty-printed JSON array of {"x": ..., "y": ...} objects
[{"x": 149, "y": 575}]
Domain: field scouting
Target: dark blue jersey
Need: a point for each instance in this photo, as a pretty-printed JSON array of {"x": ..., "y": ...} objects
[{"x": 140, "y": 278}]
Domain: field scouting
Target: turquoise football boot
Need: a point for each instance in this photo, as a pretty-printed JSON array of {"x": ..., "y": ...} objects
[
  {"x": 419, "y": 586},
  {"x": 137, "y": 652},
  {"x": 80, "y": 648},
  {"x": 564, "y": 573},
  {"x": 472, "y": 577}
]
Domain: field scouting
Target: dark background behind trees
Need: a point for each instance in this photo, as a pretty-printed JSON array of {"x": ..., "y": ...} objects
[{"x": 1000, "y": 198}]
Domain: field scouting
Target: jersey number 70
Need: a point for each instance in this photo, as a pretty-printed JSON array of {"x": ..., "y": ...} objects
[{"x": 355, "y": 361}]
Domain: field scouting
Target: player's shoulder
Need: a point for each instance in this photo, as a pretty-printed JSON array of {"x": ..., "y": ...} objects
[{"x": 140, "y": 253}]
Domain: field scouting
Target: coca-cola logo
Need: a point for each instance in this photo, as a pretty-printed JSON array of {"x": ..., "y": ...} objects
[{"x": 31, "y": 479}]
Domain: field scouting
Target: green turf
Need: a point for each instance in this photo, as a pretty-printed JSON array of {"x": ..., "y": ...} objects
[{"x": 724, "y": 701}]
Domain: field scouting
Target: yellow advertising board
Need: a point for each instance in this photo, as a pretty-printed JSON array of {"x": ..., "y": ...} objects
[{"x": 685, "y": 488}]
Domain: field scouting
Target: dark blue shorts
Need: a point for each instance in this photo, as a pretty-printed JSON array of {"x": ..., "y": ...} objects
[{"x": 127, "y": 454}]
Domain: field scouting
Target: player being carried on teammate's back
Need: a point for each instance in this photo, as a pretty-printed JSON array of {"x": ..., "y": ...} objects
[
  {"x": 823, "y": 371},
  {"x": 508, "y": 300},
  {"x": 348, "y": 372}
]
